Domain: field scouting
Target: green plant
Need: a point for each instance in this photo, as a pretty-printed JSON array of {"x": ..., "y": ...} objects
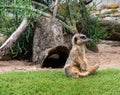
[
  {"x": 12, "y": 13},
  {"x": 74, "y": 16},
  {"x": 78, "y": 18}
]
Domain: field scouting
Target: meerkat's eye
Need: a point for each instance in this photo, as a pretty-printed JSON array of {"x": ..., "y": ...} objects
[{"x": 83, "y": 37}]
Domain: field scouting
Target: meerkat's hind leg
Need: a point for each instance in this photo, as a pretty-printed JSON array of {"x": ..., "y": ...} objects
[
  {"x": 93, "y": 68},
  {"x": 74, "y": 72},
  {"x": 71, "y": 72}
]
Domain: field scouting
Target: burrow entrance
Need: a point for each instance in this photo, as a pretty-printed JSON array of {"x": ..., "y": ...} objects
[{"x": 56, "y": 57}]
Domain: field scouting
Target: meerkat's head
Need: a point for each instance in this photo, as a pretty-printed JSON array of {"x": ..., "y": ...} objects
[{"x": 79, "y": 39}]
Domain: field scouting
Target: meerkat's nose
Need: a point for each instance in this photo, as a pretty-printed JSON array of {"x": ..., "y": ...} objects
[{"x": 87, "y": 39}]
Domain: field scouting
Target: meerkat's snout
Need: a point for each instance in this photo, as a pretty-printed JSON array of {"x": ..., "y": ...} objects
[{"x": 84, "y": 38}]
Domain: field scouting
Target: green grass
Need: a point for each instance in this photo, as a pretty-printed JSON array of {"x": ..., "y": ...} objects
[{"x": 104, "y": 82}]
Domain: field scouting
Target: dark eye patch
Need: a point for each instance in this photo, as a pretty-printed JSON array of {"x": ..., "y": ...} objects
[{"x": 83, "y": 37}]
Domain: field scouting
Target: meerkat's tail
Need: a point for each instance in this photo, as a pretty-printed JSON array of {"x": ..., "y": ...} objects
[{"x": 92, "y": 69}]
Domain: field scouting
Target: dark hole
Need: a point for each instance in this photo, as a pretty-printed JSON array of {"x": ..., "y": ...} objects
[{"x": 56, "y": 59}]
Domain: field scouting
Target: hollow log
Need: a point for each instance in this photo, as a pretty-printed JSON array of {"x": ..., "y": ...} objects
[{"x": 49, "y": 49}]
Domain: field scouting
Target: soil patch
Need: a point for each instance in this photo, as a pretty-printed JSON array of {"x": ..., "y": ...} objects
[{"x": 108, "y": 57}]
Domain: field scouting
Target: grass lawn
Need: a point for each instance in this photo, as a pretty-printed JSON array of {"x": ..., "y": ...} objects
[{"x": 54, "y": 82}]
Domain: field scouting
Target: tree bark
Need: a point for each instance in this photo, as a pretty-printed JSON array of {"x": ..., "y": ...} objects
[
  {"x": 10, "y": 41},
  {"x": 48, "y": 44}
]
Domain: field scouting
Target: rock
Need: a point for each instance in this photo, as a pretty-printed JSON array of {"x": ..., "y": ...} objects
[
  {"x": 105, "y": 11},
  {"x": 117, "y": 14},
  {"x": 113, "y": 28},
  {"x": 113, "y": 6},
  {"x": 112, "y": 43},
  {"x": 109, "y": 17}
]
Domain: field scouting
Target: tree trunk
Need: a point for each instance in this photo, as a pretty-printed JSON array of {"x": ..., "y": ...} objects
[{"x": 48, "y": 44}]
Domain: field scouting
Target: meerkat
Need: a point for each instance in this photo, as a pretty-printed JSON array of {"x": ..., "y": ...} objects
[{"x": 76, "y": 64}]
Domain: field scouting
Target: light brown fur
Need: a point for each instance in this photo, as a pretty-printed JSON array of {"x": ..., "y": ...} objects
[{"x": 76, "y": 64}]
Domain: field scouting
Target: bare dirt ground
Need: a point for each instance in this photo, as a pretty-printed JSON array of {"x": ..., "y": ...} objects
[{"x": 108, "y": 57}]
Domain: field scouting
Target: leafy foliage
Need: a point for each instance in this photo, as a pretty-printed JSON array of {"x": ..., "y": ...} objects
[
  {"x": 79, "y": 19},
  {"x": 11, "y": 14},
  {"x": 73, "y": 14}
]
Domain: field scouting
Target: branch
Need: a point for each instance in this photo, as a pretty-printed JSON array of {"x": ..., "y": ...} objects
[
  {"x": 55, "y": 8},
  {"x": 23, "y": 7},
  {"x": 10, "y": 41},
  {"x": 70, "y": 28}
]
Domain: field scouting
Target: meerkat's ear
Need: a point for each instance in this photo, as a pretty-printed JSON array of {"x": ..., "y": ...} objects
[{"x": 74, "y": 40}]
